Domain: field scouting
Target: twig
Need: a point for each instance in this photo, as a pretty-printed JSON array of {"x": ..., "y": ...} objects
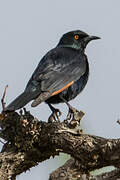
[
  {"x": 118, "y": 121},
  {"x": 3, "y": 97}
]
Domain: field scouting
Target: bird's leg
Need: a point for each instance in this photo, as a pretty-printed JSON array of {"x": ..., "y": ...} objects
[
  {"x": 71, "y": 109},
  {"x": 73, "y": 114},
  {"x": 56, "y": 113}
]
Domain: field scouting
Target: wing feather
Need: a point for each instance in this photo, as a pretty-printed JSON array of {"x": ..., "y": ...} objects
[{"x": 57, "y": 69}]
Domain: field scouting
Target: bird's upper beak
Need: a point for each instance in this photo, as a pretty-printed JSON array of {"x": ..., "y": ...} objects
[{"x": 90, "y": 38}]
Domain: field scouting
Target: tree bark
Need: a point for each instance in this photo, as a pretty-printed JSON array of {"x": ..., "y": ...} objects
[{"x": 29, "y": 142}]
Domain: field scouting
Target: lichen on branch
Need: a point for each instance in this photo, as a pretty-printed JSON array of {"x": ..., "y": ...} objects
[{"x": 30, "y": 141}]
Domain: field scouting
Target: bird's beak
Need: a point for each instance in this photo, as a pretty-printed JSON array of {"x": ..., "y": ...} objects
[
  {"x": 90, "y": 38},
  {"x": 93, "y": 38}
]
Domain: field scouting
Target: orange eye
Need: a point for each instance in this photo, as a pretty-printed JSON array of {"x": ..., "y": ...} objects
[{"x": 76, "y": 36}]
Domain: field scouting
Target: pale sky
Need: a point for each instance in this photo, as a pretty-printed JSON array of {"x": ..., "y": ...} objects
[{"x": 28, "y": 29}]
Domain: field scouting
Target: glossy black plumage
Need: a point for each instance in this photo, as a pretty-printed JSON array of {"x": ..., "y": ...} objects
[
  {"x": 72, "y": 91},
  {"x": 62, "y": 65}
]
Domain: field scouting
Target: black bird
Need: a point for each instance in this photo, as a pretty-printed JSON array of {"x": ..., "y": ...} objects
[{"x": 60, "y": 76}]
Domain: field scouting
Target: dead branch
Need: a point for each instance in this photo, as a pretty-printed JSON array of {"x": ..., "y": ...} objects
[
  {"x": 29, "y": 142},
  {"x": 70, "y": 170}
]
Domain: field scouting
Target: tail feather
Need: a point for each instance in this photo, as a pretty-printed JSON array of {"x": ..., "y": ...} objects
[{"x": 20, "y": 101}]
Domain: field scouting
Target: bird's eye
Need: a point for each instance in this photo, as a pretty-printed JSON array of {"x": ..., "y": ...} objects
[{"x": 76, "y": 36}]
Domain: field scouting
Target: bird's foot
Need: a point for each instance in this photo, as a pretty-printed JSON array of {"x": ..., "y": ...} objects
[
  {"x": 74, "y": 117},
  {"x": 54, "y": 117}
]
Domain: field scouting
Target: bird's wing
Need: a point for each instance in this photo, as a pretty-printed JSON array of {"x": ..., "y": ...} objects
[
  {"x": 58, "y": 74},
  {"x": 57, "y": 79}
]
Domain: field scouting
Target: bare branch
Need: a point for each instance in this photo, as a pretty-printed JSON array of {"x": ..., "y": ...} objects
[
  {"x": 29, "y": 141},
  {"x": 70, "y": 170}
]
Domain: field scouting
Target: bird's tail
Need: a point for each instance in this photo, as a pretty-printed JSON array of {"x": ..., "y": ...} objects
[{"x": 20, "y": 101}]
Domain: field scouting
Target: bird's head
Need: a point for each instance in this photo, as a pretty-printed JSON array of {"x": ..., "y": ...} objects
[{"x": 76, "y": 39}]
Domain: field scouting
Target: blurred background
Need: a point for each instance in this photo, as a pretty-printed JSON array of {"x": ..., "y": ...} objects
[{"x": 28, "y": 29}]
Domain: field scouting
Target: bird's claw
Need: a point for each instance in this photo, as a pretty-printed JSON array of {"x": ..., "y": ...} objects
[
  {"x": 55, "y": 116},
  {"x": 74, "y": 117},
  {"x": 70, "y": 114}
]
